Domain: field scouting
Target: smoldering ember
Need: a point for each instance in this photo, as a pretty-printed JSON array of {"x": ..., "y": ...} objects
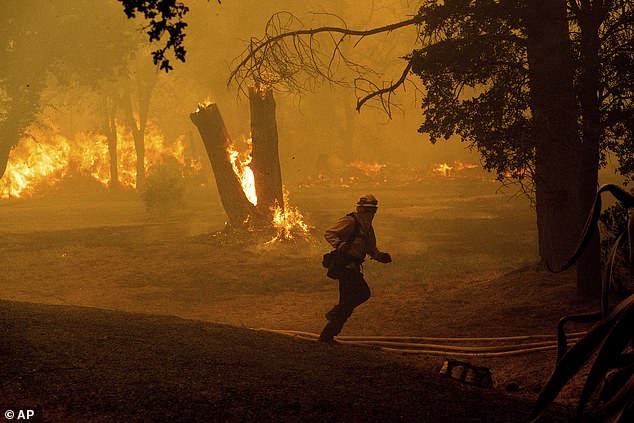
[{"x": 318, "y": 211}]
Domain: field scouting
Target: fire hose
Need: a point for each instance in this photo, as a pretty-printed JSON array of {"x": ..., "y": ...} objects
[{"x": 463, "y": 347}]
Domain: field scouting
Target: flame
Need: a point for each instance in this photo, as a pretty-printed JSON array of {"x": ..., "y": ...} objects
[
  {"x": 208, "y": 101},
  {"x": 240, "y": 163},
  {"x": 22, "y": 176},
  {"x": 443, "y": 169},
  {"x": 263, "y": 84},
  {"x": 368, "y": 169},
  {"x": 45, "y": 158},
  {"x": 288, "y": 221},
  {"x": 518, "y": 173},
  {"x": 458, "y": 165}
]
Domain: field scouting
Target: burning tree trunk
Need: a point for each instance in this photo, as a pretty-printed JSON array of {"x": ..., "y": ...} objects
[
  {"x": 251, "y": 190},
  {"x": 216, "y": 139},
  {"x": 265, "y": 161}
]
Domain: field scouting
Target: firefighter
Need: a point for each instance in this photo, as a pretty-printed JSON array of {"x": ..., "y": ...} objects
[{"x": 353, "y": 238}]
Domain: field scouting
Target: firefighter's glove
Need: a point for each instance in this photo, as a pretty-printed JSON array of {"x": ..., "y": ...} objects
[{"x": 383, "y": 258}]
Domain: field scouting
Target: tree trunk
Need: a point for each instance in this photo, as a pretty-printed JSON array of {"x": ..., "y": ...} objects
[
  {"x": 5, "y": 150},
  {"x": 560, "y": 179},
  {"x": 265, "y": 161},
  {"x": 138, "y": 132},
  {"x": 112, "y": 152},
  {"x": 216, "y": 139},
  {"x": 588, "y": 267},
  {"x": 110, "y": 128},
  {"x": 20, "y": 112}
]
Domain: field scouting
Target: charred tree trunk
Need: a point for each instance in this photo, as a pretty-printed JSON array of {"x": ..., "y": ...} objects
[
  {"x": 265, "y": 161},
  {"x": 216, "y": 139}
]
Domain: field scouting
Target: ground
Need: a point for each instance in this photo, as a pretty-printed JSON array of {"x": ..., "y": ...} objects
[{"x": 463, "y": 266}]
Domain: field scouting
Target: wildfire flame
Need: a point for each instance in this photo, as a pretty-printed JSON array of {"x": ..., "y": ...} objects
[
  {"x": 288, "y": 221},
  {"x": 208, "y": 101},
  {"x": 460, "y": 166},
  {"x": 368, "y": 169},
  {"x": 44, "y": 159},
  {"x": 240, "y": 163},
  {"x": 263, "y": 84},
  {"x": 443, "y": 169}
]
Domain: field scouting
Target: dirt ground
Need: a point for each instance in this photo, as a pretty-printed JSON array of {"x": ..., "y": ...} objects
[{"x": 463, "y": 267}]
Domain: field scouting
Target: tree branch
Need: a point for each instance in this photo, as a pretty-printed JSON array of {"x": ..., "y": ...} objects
[
  {"x": 269, "y": 41},
  {"x": 386, "y": 90}
]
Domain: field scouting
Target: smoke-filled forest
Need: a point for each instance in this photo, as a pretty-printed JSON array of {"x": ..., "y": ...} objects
[{"x": 321, "y": 211}]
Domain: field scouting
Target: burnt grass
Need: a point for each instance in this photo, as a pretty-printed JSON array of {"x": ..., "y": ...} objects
[{"x": 83, "y": 364}]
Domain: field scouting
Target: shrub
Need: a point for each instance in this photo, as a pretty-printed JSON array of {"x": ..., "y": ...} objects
[{"x": 164, "y": 187}]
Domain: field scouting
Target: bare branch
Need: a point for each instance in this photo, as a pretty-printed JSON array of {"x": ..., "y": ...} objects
[
  {"x": 386, "y": 90},
  {"x": 298, "y": 59},
  {"x": 329, "y": 29}
]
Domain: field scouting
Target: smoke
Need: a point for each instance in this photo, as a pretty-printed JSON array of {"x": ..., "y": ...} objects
[{"x": 100, "y": 71}]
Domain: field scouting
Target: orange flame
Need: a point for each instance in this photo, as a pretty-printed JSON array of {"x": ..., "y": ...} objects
[
  {"x": 443, "y": 169},
  {"x": 263, "y": 84},
  {"x": 368, "y": 169},
  {"x": 458, "y": 165},
  {"x": 240, "y": 163},
  {"x": 289, "y": 221},
  {"x": 44, "y": 159}
]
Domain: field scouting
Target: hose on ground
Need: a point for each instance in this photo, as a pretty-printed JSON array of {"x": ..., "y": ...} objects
[{"x": 497, "y": 347}]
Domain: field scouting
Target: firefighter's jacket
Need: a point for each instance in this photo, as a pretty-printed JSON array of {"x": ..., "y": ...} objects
[{"x": 364, "y": 243}]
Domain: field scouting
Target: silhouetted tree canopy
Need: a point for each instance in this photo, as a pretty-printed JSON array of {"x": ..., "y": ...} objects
[{"x": 164, "y": 17}]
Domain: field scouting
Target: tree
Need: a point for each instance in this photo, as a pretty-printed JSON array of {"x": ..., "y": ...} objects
[
  {"x": 243, "y": 211},
  {"x": 23, "y": 71},
  {"x": 503, "y": 70},
  {"x": 138, "y": 92},
  {"x": 35, "y": 49},
  {"x": 164, "y": 16}
]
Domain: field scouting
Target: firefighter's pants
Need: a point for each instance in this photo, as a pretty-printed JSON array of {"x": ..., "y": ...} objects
[{"x": 353, "y": 291}]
